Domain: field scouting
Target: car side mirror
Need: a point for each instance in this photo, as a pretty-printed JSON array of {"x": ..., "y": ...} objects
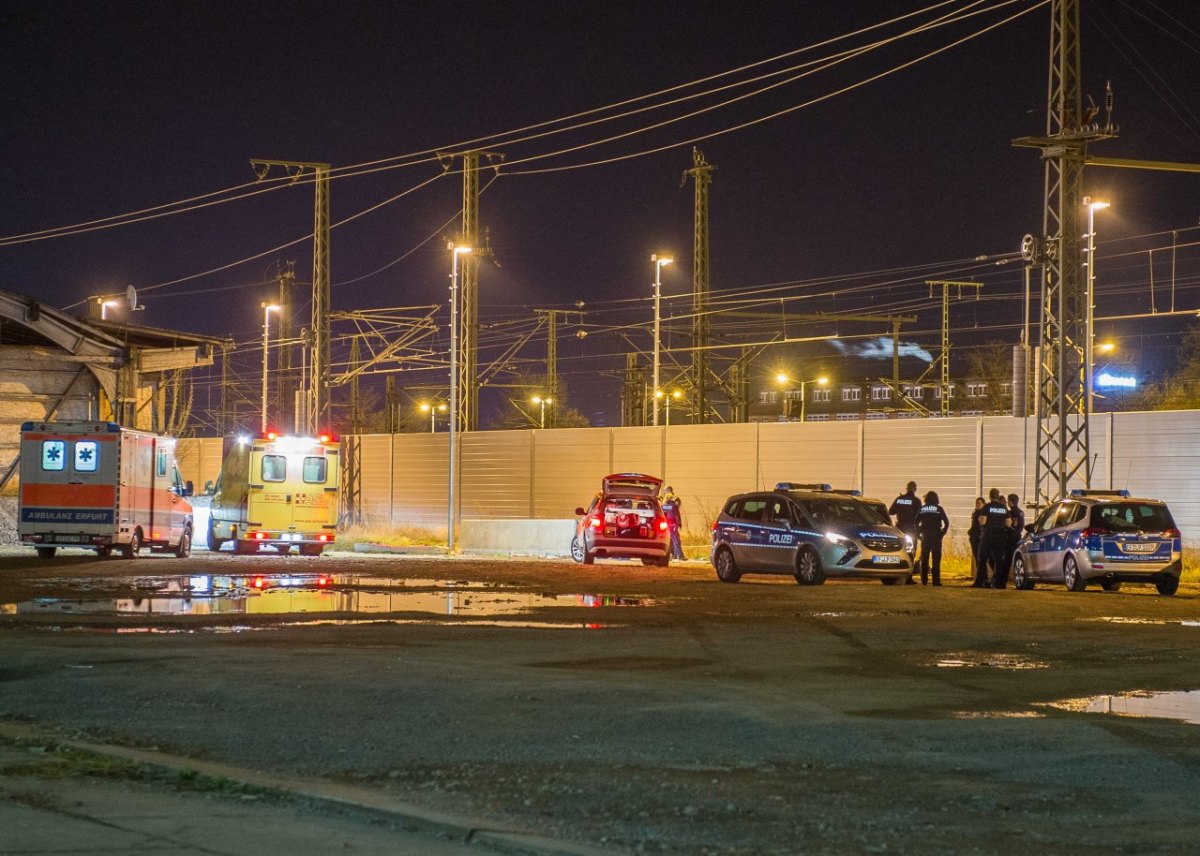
[
  {"x": 580, "y": 511},
  {"x": 188, "y": 488}
]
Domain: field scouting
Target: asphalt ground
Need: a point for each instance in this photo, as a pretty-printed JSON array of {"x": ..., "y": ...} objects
[{"x": 618, "y": 707}]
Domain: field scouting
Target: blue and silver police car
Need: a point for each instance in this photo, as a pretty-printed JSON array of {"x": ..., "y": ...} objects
[
  {"x": 810, "y": 532},
  {"x": 1101, "y": 536}
]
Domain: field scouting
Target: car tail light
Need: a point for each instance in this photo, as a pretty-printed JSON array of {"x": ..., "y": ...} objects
[
  {"x": 1097, "y": 531},
  {"x": 1172, "y": 533},
  {"x": 594, "y": 522},
  {"x": 324, "y": 536},
  {"x": 662, "y": 525},
  {"x": 714, "y": 526}
]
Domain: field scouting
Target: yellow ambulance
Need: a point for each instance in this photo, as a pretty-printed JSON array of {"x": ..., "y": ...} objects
[{"x": 277, "y": 491}]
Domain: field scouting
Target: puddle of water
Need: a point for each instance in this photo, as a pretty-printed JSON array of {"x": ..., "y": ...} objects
[
  {"x": 1122, "y": 619},
  {"x": 336, "y": 622},
  {"x": 997, "y": 714},
  {"x": 1012, "y": 662},
  {"x": 1183, "y": 706},
  {"x": 314, "y": 593}
]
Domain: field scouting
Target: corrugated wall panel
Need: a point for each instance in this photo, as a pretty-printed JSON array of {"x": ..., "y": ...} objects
[
  {"x": 707, "y": 463},
  {"x": 1158, "y": 455},
  {"x": 807, "y": 452},
  {"x": 375, "y": 456},
  {"x": 938, "y": 454},
  {"x": 495, "y": 474},
  {"x": 636, "y": 450},
  {"x": 199, "y": 460},
  {"x": 419, "y": 480},
  {"x": 567, "y": 468}
]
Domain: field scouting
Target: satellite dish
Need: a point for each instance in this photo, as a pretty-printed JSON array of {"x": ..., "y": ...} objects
[{"x": 131, "y": 298}]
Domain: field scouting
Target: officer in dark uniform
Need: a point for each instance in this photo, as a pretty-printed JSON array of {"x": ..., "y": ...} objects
[
  {"x": 1015, "y": 530},
  {"x": 994, "y": 520},
  {"x": 904, "y": 509},
  {"x": 932, "y": 525}
]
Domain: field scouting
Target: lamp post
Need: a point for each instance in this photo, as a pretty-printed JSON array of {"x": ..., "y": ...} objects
[
  {"x": 658, "y": 266},
  {"x": 455, "y": 253},
  {"x": 537, "y": 399},
  {"x": 1093, "y": 205},
  {"x": 784, "y": 379},
  {"x": 676, "y": 394},
  {"x": 432, "y": 410},
  {"x": 268, "y": 308}
]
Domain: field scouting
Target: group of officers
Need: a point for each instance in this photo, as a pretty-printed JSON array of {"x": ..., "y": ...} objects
[{"x": 996, "y": 528}]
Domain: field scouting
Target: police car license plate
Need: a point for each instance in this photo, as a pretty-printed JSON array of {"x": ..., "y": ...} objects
[
  {"x": 887, "y": 560},
  {"x": 1139, "y": 547}
]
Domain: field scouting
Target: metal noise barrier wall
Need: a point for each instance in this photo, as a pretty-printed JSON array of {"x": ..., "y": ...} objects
[{"x": 547, "y": 473}]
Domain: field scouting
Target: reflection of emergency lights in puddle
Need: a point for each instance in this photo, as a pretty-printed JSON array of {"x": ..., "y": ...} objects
[
  {"x": 330, "y": 622},
  {"x": 282, "y": 595},
  {"x": 1122, "y": 619},
  {"x": 1183, "y": 706}
]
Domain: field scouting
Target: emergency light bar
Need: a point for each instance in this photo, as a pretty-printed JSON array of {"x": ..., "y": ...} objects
[
  {"x": 1081, "y": 492},
  {"x": 824, "y": 488}
]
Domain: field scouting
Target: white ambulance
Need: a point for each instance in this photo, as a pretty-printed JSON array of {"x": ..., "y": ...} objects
[
  {"x": 277, "y": 491},
  {"x": 102, "y": 487}
]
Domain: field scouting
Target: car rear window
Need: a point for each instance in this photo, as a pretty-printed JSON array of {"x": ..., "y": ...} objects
[{"x": 1132, "y": 517}]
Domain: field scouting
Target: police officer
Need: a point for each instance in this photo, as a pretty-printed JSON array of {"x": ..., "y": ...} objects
[
  {"x": 904, "y": 509},
  {"x": 932, "y": 525},
  {"x": 1015, "y": 530},
  {"x": 672, "y": 510},
  {"x": 994, "y": 520}
]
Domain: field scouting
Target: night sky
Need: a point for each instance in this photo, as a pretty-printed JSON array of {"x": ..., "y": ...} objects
[{"x": 110, "y": 108}]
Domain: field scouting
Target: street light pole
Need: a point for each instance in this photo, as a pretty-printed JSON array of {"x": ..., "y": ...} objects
[
  {"x": 267, "y": 310},
  {"x": 658, "y": 266},
  {"x": 455, "y": 252},
  {"x": 1092, "y": 207},
  {"x": 784, "y": 379},
  {"x": 537, "y": 399}
]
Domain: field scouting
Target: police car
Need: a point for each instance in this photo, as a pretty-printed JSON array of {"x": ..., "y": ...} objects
[
  {"x": 808, "y": 531},
  {"x": 1101, "y": 536}
]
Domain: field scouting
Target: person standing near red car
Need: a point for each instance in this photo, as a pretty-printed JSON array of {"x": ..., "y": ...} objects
[{"x": 671, "y": 506}]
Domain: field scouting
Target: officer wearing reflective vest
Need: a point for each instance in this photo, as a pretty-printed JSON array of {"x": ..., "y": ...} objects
[{"x": 993, "y": 543}]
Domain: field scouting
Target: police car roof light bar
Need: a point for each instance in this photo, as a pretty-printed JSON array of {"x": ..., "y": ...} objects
[
  {"x": 1081, "y": 492},
  {"x": 824, "y": 488},
  {"x": 848, "y": 492}
]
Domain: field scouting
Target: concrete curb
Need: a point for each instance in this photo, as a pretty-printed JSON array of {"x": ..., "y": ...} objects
[{"x": 465, "y": 829}]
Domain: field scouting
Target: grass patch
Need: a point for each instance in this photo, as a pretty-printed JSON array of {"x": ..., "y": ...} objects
[{"x": 391, "y": 534}]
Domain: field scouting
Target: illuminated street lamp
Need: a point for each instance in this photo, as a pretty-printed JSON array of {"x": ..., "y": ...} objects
[
  {"x": 455, "y": 252},
  {"x": 104, "y": 304},
  {"x": 1093, "y": 205},
  {"x": 537, "y": 399},
  {"x": 783, "y": 379},
  {"x": 433, "y": 410},
  {"x": 268, "y": 308},
  {"x": 659, "y": 262},
  {"x": 676, "y": 394}
]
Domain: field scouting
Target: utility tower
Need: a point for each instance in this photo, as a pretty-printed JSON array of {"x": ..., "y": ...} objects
[
  {"x": 1062, "y": 400},
  {"x": 944, "y": 359},
  {"x": 286, "y": 385},
  {"x": 352, "y": 465},
  {"x": 468, "y": 284},
  {"x": 318, "y": 388},
  {"x": 701, "y": 175}
]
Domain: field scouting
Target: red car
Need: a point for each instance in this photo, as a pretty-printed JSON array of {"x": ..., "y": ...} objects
[{"x": 624, "y": 521}]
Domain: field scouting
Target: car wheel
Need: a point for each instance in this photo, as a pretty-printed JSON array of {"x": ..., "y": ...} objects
[
  {"x": 891, "y": 581},
  {"x": 726, "y": 567},
  {"x": 1111, "y": 585},
  {"x": 808, "y": 568},
  {"x": 46, "y": 552},
  {"x": 1020, "y": 571},
  {"x": 1167, "y": 585},
  {"x": 184, "y": 548},
  {"x": 214, "y": 543},
  {"x": 130, "y": 550},
  {"x": 1071, "y": 577},
  {"x": 576, "y": 550},
  {"x": 664, "y": 562}
]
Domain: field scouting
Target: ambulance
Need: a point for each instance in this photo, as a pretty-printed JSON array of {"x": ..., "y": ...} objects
[
  {"x": 102, "y": 487},
  {"x": 277, "y": 491}
]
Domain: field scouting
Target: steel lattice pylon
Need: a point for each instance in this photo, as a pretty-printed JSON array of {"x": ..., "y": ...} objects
[
  {"x": 701, "y": 174},
  {"x": 1062, "y": 400}
]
